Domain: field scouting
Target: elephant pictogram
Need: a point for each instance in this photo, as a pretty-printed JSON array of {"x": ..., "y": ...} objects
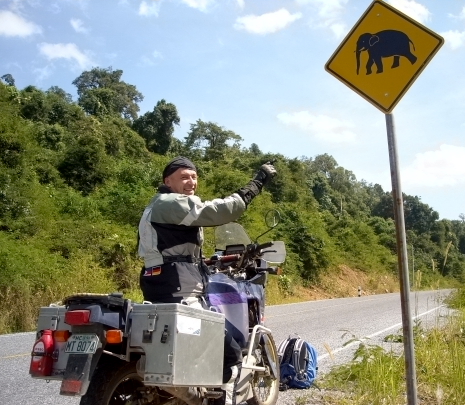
[{"x": 381, "y": 45}]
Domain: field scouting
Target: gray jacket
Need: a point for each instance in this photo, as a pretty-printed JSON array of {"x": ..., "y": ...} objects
[{"x": 170, "y": 240}]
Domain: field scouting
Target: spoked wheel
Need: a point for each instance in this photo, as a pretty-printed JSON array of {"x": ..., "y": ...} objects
[
  {"x": 265, "y": 384},
  {"x": 116, "y": 382}
]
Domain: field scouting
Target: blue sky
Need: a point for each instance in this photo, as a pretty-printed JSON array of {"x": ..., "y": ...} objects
[{"x": 256, "y": 67}]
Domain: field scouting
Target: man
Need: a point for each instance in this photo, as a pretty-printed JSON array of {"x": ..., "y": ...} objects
[{"x": 170, "y": 241}]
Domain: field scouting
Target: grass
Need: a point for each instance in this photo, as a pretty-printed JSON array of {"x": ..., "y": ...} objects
[
  {"x": 22, "y": 300},
  {"x": 376, "y": 376}
]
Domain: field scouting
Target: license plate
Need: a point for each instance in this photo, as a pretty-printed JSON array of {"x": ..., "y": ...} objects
[{"x": 82, "y": 344}]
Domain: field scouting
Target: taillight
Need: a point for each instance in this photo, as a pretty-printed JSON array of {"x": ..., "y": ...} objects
[{"x": 77, "y": 317}]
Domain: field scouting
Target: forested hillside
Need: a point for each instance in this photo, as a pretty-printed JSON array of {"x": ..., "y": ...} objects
[{"x": 75, "y": 176}]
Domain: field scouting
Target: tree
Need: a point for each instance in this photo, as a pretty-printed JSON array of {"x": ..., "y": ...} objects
[
  {"x": 211, "y": 139},
  {"x": 461, "y": 245},
  {"x": 324, "y": 163},
  {"x": 60, "y": 93},
  {"x": 384, "y": 207},
  {"x": 102, "y": 92},
  {"x": 85, "y": 165},
  {"x": 309, "y": 247},
  {"x": 418, "y": 216},
  {"x": 157, "y": 127},
  {"x": 34, "y": 104},
  {"x": 321, "y": 190},
  {"x": 54, "y": 106},
  {"x": 255, "y": 150},
  {"x": 60, "y": 107},
  {"x": 8, "y": 79}
]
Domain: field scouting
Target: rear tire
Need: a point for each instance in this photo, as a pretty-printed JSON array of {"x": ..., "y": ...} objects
[
  {"x": 116, "y": 382},
  {"x": 264, "y": 385}
]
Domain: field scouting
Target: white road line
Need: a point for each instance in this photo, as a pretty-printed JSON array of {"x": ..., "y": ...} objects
[
  {"x": 13, "y": 356},
  {"x": 358, "y": 341},
  {"x": 313, "y": 309}
]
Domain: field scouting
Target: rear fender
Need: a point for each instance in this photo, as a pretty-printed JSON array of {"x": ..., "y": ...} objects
[
  {"x": 78, "y": 373},
  {"x": 80, "y": 367}
]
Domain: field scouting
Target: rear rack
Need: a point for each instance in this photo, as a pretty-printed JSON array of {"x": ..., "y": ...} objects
[{"x": 109, "y": 300}]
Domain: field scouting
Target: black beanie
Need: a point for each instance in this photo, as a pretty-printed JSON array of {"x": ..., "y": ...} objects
[{"x": 177, "y": 163}]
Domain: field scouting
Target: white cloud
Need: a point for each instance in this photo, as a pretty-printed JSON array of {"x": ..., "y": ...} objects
[
  {"x": 329, "y": 9},
  {"x": 13, "y": 25},
  {"x": 241, "y": 3},
  {"x": 413, "y": 9},
  {"x": 339, "y": 29},
  {"x": 438, "y": 168},
  {"x": 201, "y": 5},
  {"x": 322, "y": 127},
  {"x": 454, "y": 39},
  {"x": 266, "y": 23},
  {"x": 43, "y": 73},
  {"x": 329, "y": 14},
  {"x": 147, "y": 9},
  {"x": 65, "y": 51},
  {"x": 461, "y": 16},
  {"x": 78, "y": 26},
  {"x": 150, "y": 60}
]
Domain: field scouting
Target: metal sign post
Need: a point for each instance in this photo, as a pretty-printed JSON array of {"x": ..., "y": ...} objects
[
  {"x": 402, "y": 260},
  {"x": 380, "y": 58}
]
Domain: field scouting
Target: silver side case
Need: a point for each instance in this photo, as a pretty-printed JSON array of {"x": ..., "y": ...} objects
[{"x": 183, "y": 346}]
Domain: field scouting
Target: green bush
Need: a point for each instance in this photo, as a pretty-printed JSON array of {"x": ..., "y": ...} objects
[{"x": 85, "y": 165}]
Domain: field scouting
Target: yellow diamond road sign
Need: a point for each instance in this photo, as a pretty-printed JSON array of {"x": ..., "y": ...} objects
[{"x": 383, "y": 55}]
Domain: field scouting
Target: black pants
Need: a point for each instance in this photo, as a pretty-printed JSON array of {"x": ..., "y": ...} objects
[{"x": 232, "y": 355}]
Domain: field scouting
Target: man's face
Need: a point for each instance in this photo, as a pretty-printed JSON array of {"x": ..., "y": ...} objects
[{"x": 182, "y": 181}]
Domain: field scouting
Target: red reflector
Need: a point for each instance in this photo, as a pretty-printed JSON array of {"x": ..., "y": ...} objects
[
  {"x": 70, "y": 387},
  {"x": 77, "y": 317}
]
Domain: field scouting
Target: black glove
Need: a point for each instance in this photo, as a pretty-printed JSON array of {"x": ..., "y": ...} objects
[
  {"x": 250, "y": 191},
  {"x": 266, "y": 173},
  {"x": 254, "y": 187}
]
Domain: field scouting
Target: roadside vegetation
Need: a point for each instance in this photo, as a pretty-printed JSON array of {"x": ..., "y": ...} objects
[
  {"x": 376, "y": 376},
  {"x": 75, "y": 176}
]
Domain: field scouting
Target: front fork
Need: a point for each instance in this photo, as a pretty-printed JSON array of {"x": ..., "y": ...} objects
[
  {"x": 258, "y": 334},
  {"x": 266, "y": 359}
]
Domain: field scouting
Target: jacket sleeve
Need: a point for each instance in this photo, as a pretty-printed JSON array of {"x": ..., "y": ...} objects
[{"x": 172, "y": 208}]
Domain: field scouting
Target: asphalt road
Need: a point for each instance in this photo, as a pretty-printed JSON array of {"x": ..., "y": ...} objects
[{"x": 323, "y": 323}]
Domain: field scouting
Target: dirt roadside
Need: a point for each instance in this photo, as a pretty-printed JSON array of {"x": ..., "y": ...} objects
[{"x": 338, "y": 283}]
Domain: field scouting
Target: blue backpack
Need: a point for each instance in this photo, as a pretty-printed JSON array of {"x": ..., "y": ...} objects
[{"x": 298, "y": 362}]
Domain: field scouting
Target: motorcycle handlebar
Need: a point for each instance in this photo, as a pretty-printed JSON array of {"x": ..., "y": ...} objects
[
  {"x": 264, "y": 245},
  {"x": 252, "y": 249},
  {"x": 223, "y": 259}
]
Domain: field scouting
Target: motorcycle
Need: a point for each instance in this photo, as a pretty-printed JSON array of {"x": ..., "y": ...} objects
[{"x": 110, "y": 350}]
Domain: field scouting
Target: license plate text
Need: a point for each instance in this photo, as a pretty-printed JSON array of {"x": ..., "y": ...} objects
[{"x": 82, "y": 344}]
